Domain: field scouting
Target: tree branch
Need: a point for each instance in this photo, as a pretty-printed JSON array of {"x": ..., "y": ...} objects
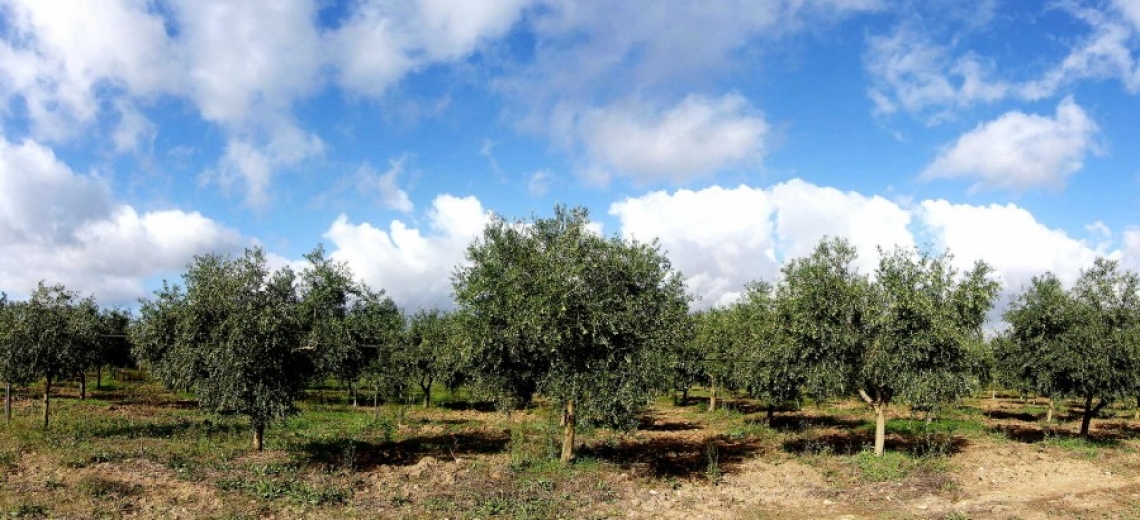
[{"x": 863, "y": 394}]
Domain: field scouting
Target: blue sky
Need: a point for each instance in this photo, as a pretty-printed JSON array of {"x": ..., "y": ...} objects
[{"x": 137, "y": 133}]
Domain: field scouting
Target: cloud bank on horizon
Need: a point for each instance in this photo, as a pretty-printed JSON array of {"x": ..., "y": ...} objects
[{"x": 135, "y": 134}]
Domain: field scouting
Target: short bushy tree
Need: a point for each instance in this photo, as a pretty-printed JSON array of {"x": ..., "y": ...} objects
[
  {"x": 1083, "y": 343},
  {"x": 432, "y": 350},
  {"x": 51, "y": 332},
  {"x": 551, "y": 306},
  {"x": 717, "y": 338},
  {"x": 770, "y": 369},
  {"x": 926, "y": 328},
  {"x": 233, "y": 336}
]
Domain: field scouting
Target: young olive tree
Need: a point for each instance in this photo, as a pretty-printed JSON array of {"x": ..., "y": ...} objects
[
  {"x": 551, "y": 306},
  {"x": 716, "y": 338},
  {"x": 327, "y": 290},
  {"x": 376, "y": 325},
  {"x": 14, "y": 366},
  {"x": 233, "y": 336},
  {"x": 771, "y": 370},
  {"x": 113, "y": 349},
  {"x": 432, "y": 350},
  {"x": 926, "y": 329},
  {"x": 1081, "y": 343},
  {"x": 52, "y": 329}
]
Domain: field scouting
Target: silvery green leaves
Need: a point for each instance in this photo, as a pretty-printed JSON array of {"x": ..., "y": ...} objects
[
  {"x": 233, "y": 335},
  {"x": 588, "y": 321},
  {"x": 1082, "y": 343}
]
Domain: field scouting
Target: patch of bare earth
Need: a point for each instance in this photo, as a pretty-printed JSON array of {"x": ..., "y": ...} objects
[{"x": 131, "y": 488}]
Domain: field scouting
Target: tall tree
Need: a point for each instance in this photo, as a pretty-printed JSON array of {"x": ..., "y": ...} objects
[
  {"x": 821, "y": 316},
  {"x": 1081, "y": 343},
  {"x": 551, "y": 306},
  {"x": 233, "y": 336},
  {"x": 909, "y": 335}
]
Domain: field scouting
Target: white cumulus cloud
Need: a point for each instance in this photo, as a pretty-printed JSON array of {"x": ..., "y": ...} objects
[
  {"x": 63, "y": 227},
  {"x": 694, "y": 138},
  {"x": 723, "y": 238},
  {"x": 1020, "y": 151},
  {"x": 413, "y": 265}
]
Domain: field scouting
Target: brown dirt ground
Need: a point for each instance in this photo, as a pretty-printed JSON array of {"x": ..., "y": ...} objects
[{"x": 650, "y": 474}]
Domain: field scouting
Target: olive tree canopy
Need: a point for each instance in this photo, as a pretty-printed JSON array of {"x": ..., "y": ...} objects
[
  {"x": 551, "y": 306},
  {"x": 233, "y": 336}
]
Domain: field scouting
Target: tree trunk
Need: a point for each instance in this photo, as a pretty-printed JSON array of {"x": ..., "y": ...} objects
[
  {"x": 1049, "y": 411},
  {"x": 712, "y": 394},
  {"x": 82, "y": 385},
  {"x": 7, "y": 403},
  {"x": 352, "y": 393},
  {"x": 1086, "y": 420},
  {"x": 771, "y": 413},
  {"x": 568, "y": 433},
  {"x": 880, "y": 429},
  {"x": 685, "y": 396},
  {"x": 99, "y": 377},
  {"x": 376, "y": 402},
  {"x": 426, "y": 388},
  {"x": 258, "y": 436},
  {"x": 1136, "y": 416},
  {"x": 47, "y": 401}
]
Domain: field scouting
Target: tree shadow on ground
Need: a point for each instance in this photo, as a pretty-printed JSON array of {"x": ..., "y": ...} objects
[
  {"x": 1004, "y": 415},
  {"x": 360, "y": 455},
  {"x": 675, "y": 457},
  {"x": 652, "y": 424},
  {"x": 803, "y": 422},
  {"x": 1103, "y": 434},
  {"x": 851, "y": 443},
  {"x": 468, "y": 406},
  {"x": 156, "y": 400},
  {"x": 182, "y": 427}
]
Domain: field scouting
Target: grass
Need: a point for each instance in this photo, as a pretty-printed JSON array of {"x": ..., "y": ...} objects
[{"x": 455, "y": 460}]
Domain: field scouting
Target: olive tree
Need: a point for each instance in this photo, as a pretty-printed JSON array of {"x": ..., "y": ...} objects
[
  {"x": 327, "y": 290},
  {"x": 551, "y": 306},
  {"x": 821, "y": 321},
  {"x": 14, "y": 367},
  {"x": 50, "y": 332},
  {"x": 770, "y": 370},
  {"x": 909, "y": 334},
  {"x": 926, "y": 328},
  {"x": 113, "y": 348},
  {"x": 432, "y": 350},
  {"x": 375, "y": 324},
  {"x": 1080, "y": 343},
  {"x": 716, "y": 338},
  {"x": 232, "y": 335}
]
